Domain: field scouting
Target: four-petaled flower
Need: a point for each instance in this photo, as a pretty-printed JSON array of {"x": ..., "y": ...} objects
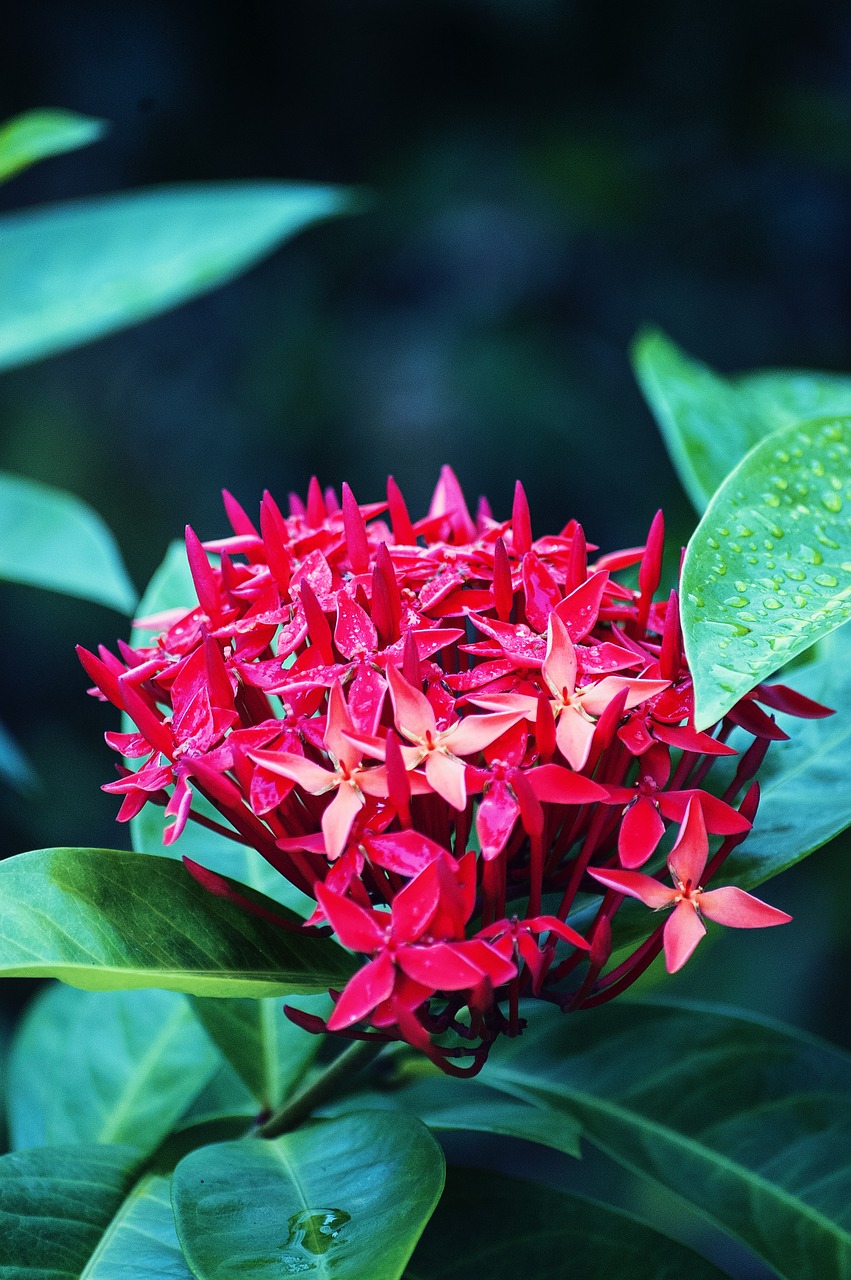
[{"x": 686, "y": 863}]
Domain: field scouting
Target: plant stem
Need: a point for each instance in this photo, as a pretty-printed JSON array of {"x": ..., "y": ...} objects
[{"x": 299, "y": 1107}]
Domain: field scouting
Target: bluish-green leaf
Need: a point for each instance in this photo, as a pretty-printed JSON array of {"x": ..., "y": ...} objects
[
  {"x": 805, "y": 799},
  {"x": 141, "y": 1241},
  {"x": 767, "y": 572},
  {"x": 710, "y": 422},
  {"x": 490, "y": 1225},
  {"x": 103, "y": 920},
  {"x": 56, "y": 1207},
  {"x": 106, "y": 1066},
  {"x": 460, "y": 1106},
  {"x": 345, "y": 1198},
  {"x": 747, "y": 1120},
  {"x": 76, "y": 271},
  {"x": 35, "y": 135},
  {"x": 14, "y": 766},
  {"x": 49, "y": 538},
  {"x": 270, "y": 1053}
]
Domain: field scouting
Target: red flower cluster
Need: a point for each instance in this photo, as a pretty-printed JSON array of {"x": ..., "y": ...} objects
[{"x": 442, "y": 731}]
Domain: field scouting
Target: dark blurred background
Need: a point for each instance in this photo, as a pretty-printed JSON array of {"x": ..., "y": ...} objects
[{"x": 547, "y": 177}]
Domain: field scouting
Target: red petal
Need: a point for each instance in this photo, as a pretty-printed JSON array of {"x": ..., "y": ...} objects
[
  {"x": 554, "y": 784},
  {"x": 683, "y": 930},
  {"x": 357, "y": 929},
  {"x": 636, "y": 885},
  {"x": 640, "y": 832},
  {"x": 732, "y": 906},
  {"x": 369, "y": 987},
  {"x": 687, "y": 859}
]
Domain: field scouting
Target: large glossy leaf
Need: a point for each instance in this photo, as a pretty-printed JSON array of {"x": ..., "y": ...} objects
[
  {"x": 56, "y": 1207},
  {"x": 102, "y": 919},
  {"x": 488, "y": 1224},
  {"x": 709, "y": 422},
  {"x": 35, "y": 135},
  {"x": 747, "y": 1120},
  {"x": 51, "y": 539},
  {"x": 345, "y": 1198},
  {"x": 459, "y": 1106},
  {"x": 270, "y": 1053},
  {"x": 106, "y": 1066},
  {"x": 805, "y": 797},
  {"x": 76, "y": 271},
  {"x": 75, "y": 1213},
  {"x": 171, "y": 588},
  {"x": 767, "y": 572}
]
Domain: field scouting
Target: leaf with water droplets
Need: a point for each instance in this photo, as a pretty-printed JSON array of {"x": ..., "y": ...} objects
[
  {"x": 347, "y": 1198},
  {"x": 710, "y": 422},
  {"x": 767, "y": 572}
]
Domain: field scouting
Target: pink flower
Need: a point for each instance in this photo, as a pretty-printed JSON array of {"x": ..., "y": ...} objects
[{"x": 686, "y": 863}]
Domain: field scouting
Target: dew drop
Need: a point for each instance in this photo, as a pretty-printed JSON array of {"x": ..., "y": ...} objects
[
  {"x": 725, "y": 533},
  {"x": 771, "y": 603},
  {"x": 713, "y": 543},
  {"x": 780, "y": 482},
  {"x": 826, "y": 580},
  {"x": 846, "y": 566},
  {"x": 797, "y": 575},
  {"x": 721, "y": 570},
  {"x": 771, "y": 499},
  {"x": 817, "y": 467},
  {"x": 781, "y": 455},
  {"x": 799, "y": 601},
  {"x": 752, "y": 559},
  {"x": 736, "y": 602},
  {"x": 810, "y": 555},
  {"x": 832, "y": 502},
  {"x": 735, "y": 547},
  {"x": 744, "y": 532}
]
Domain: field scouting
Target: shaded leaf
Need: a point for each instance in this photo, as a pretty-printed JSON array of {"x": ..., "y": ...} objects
[
  {"x": 710, "y": 422},
  {"x": 141, "y": 1242},
  {"x": 747, "y": 1120},
  {"x": 767, "y": 572},
  {"x": 35, "y": 135},
  {"x": 52, "y": 539},
  {"x": 103, "y": 920},
  {"x": 106, "y": 1066},
  {"x": 15, "y": 768},
  {"x": 270, "y": 1053},
  {"x": 448, "y": 1106},
  {"x": 488, "y": 1224},
  {"x": 805, "y": 797},
  {"x": 56, "y": 1206},
  {"x": 76, "y": 271},
  {"x": 346, "y": 1198}
]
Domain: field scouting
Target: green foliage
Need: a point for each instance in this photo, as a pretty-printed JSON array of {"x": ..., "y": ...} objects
[
  {"x": 77, "y": 271},
  {"x": 270, "y": 1053},
  {"x": 347, "y": 1198},
  {"x": 709, "y": 422},
  {"x": 131, "y": 1063},
  {"x": 14, "y": 766},
  {"x": 805, "y": 799},
  {"x": 105, "y": 920},
  {"x": 743, "y": 1118},
  {"x": 768, "y": 570},
  {"x": 35, "y": 135},
  {"x": 491, "y": 1225},
  {"x": 57, "y": 1206},
  {"x": 52, "y": 539}
]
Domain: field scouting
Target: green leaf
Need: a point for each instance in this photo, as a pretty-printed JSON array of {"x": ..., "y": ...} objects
[
  {"x": 106, "y": 1066},
  {"x": 49, "y": 538},
  {"x": 75, "y": 1213},
  {"x": 56, "y": 1207},
  {"x": 767, "y": 572},
  {"x": 14, "y": 766},
  {"x": 104, "y": 920},
  {"x": 452, "y": 1106},
  {"x": 76, "y": 271},
  {"x": 270, "y": 1053},
  {"x": 141, "y": 1241},
  {"x": 709, "y": 422},
  {"x": 36, "y": 135},
  {"x": 346, "y": 1198},
  {"x": 747, "y": 1120},
  {"x": 805, "y": 799},
  {"x": 488, "y": 1224},
  {"x": 171, "y": 588}
]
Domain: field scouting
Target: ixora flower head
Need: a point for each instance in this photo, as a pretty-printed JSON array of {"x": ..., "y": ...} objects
[{"x": 443, "y": 731}]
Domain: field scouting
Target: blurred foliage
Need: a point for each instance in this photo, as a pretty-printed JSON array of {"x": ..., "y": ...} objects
[{"x": 545, "y": 184}]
